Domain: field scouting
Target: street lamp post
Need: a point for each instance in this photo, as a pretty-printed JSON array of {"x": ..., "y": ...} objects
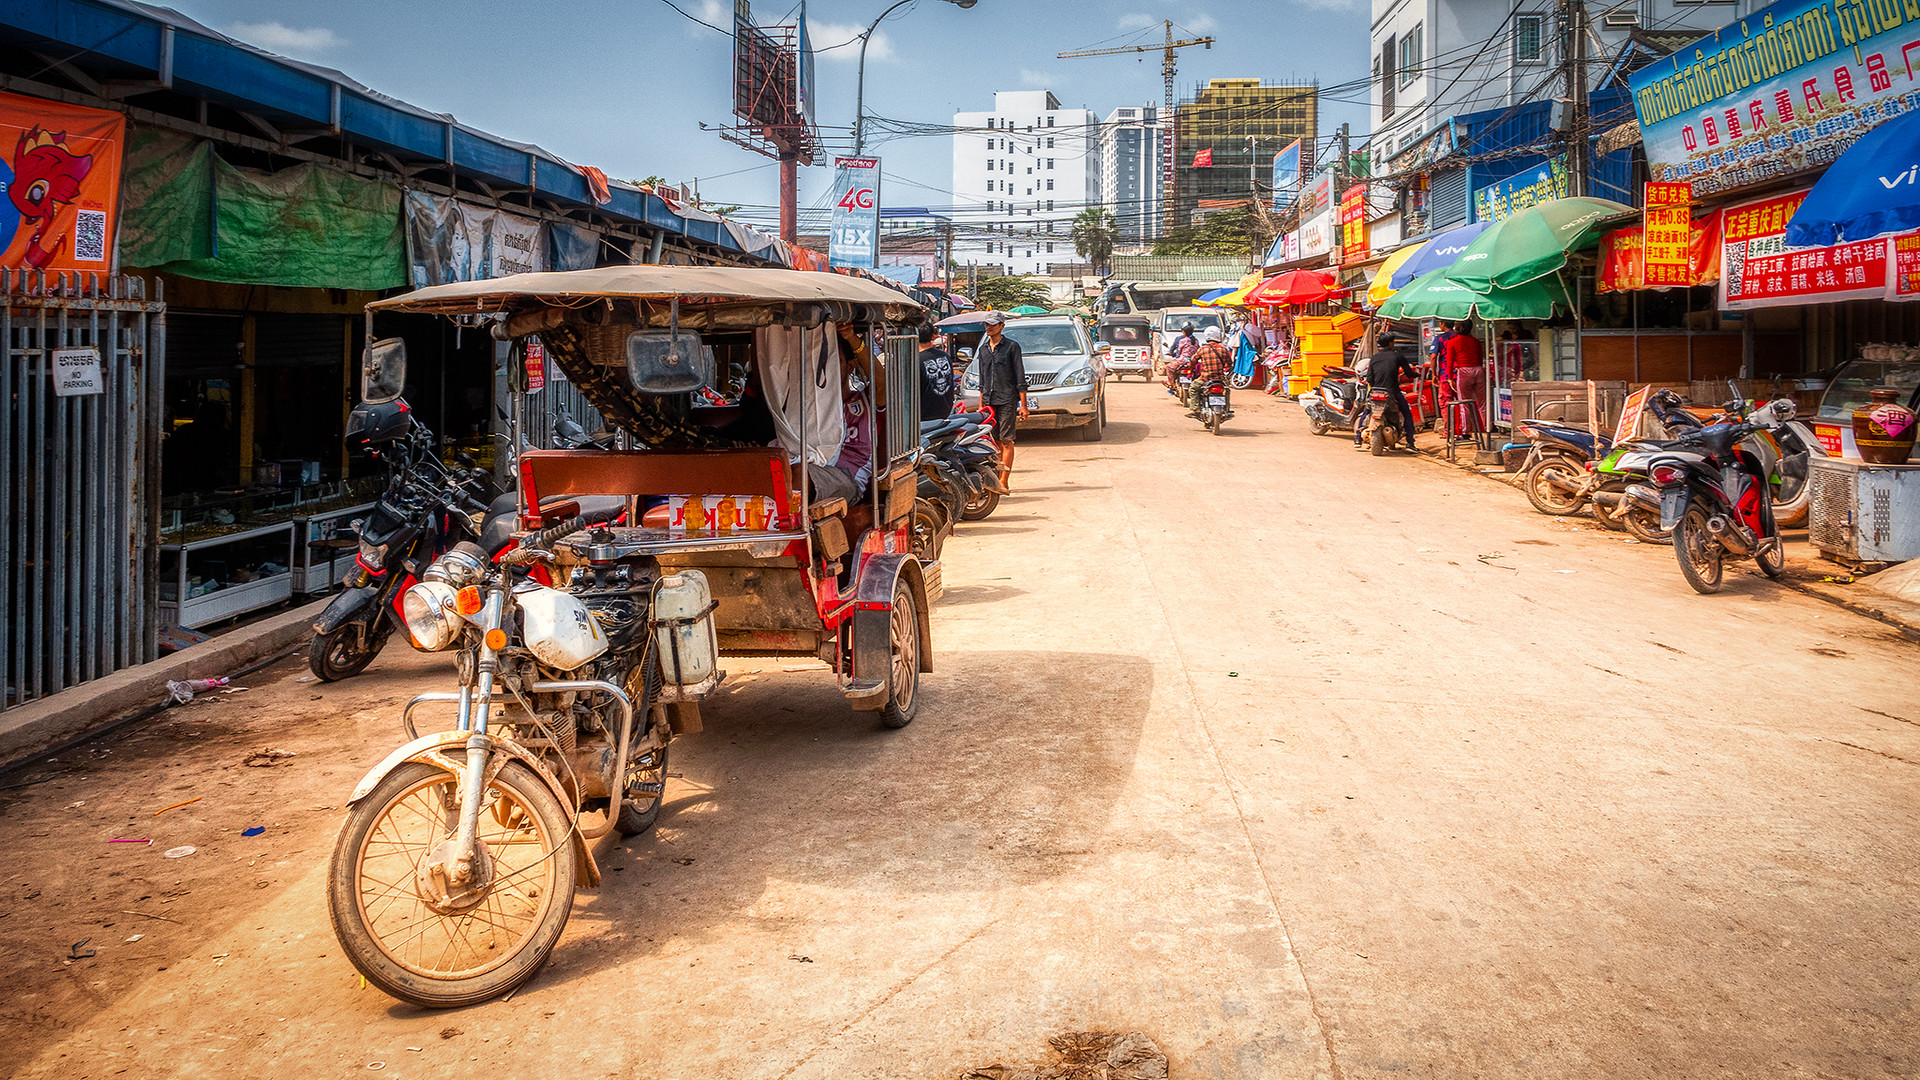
[{"x": 860, "y": 93}]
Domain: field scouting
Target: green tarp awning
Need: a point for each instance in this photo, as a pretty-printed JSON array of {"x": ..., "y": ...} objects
[{"x": 190, "y": 213}]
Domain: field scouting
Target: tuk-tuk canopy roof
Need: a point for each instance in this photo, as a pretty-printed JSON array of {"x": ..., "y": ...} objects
[{"x": 696, "y": 287}]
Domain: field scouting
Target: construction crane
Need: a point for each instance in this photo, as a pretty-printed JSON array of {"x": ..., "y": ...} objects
[{"x": 1169, "y": 67}]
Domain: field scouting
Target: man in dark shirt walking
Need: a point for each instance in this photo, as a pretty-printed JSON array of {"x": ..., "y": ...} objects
[
  {"x": 1383, "y": 373},
  {"x": 1003, "y": 385},
  {"x": 936, "y": 378}
]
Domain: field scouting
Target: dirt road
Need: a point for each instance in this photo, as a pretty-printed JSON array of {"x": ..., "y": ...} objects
[{"x": 1307, "y": 764}]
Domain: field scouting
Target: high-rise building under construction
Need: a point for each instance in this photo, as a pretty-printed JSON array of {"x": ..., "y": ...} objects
[{"x": 1214, "y": 127}]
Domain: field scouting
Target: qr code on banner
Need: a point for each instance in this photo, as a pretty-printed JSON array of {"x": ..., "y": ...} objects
[{"x": 90, "y": 236}]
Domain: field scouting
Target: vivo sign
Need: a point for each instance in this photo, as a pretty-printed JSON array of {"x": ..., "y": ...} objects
[{"x": 855, "y": 240}]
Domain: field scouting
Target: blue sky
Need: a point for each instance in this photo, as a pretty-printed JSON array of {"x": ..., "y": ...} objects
[{"x": 625, "y": 86}]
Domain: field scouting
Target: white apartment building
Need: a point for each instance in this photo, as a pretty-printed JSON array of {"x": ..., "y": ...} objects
[
  {"x": 1020, "y": 174},
  {"x": 1130, "y": 157},
  {"x": 1435, "y": 59}
]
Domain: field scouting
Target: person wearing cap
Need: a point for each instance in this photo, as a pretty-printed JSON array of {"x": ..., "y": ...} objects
[
  {"x": 1003, "y": 385},
  {"x": 1384, "y": 368},
  {"x": 1214, "y": 361}
]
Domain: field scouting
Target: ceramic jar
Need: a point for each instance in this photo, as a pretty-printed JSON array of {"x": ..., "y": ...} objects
[{"x": 1883, "y": 428}]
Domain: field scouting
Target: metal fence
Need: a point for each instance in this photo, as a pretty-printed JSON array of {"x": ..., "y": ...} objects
[{"x": 79, "y": 478}]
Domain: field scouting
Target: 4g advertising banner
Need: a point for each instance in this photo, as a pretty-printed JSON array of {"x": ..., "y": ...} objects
[{"x": 856, "y": 213}]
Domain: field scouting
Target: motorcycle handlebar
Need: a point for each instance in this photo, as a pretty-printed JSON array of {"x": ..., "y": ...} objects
[{"x": 546, "y": 537}]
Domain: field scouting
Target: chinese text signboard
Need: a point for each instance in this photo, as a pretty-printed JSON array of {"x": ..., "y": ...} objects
[
  {"x": 1669, "y": 227},
  {"x": 1514, "y": 194},
  {"x": 60, "y": 169},
  {"x": 1780, "y": 92},
  {"x": 1761, "y": 271},
  {"x": 855, "y": 240},
  {"x": 1353, "y": 224},
  {"x": 1906, "y": 267}
]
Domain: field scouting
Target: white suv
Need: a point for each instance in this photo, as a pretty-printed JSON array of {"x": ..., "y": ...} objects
[{"x": 1066, "y": 376}]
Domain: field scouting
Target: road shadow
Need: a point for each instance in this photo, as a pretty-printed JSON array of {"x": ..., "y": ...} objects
[
  {"x": 962, "y": 595},
  {"x": 788, "y": 784}
]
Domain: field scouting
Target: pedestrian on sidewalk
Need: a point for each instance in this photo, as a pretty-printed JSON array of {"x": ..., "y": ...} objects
[
  {"x": 1003, "y": 385},
  {"x": 936, "y": 377},
  {"x": 1466, "y": 370}
]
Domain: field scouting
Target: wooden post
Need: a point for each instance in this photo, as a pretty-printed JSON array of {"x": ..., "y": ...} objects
[
  {"x": 246, "y": 402},
  {"x": 1593, "y": 418},
  {"x": 348, "y": 391}
]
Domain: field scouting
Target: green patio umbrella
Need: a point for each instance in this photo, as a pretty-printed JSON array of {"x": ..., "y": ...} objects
[
  {"x": 1027, "y": 309},
  {"x": 1533, "y": 243},
  {"x": 1436, "y": 296}
]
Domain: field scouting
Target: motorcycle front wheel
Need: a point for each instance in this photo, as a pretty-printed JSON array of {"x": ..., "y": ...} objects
[
  {"x": 341, "y": 653},
  {"x": 442, "y": 956},
  {"x": 1702, "y": 560}
]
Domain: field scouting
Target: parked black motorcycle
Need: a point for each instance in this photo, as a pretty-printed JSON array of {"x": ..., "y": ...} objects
[
  {"x": 1714, "y": 497},
  {"x": 423, "y": 512}
]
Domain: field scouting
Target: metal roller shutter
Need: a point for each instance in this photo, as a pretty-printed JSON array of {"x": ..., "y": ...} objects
[{"x": 1447, "y": 200}]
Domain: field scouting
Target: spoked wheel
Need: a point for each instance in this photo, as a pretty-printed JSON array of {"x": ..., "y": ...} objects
[
  {"x": 929, "y": 530},
  {"x": 340, "y": 653},
  {"x": 441, "y": 946},
  {"x": 643, "y": 792},
  {"x": 1772, "y": 558},
  {"x": 1604, "y": 515},
  {"x": 1700, "y": 555},
  {"x": 1549, "y": 497},
  {"x": 981, "y": 506},
  {"x": 1239, "y": 381},
  {"x": 1643, "y": 524},
  {"x": 903, "y": 669}
]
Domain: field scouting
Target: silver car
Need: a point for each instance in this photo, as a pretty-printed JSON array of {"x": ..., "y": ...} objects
[{"x": 1066, "y": 376}]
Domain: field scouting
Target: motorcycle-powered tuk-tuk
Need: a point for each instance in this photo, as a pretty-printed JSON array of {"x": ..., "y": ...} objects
[
  {"x": 1131, "y": 344},
  {"x": 757, "y": 503}
]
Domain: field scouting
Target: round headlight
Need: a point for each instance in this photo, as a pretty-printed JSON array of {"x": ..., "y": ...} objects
[
  {"x": 464, "y": 564},
  {"x": 431, "y": 616}
]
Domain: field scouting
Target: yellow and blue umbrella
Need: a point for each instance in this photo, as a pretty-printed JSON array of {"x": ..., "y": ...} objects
[{"x": 1382, "y": 285}]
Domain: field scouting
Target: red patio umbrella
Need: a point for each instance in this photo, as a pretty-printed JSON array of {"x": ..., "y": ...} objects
[{"x": 1294, "y": 288}]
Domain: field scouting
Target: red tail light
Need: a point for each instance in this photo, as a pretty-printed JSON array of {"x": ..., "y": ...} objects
[{"x": 1668, "y": 475}]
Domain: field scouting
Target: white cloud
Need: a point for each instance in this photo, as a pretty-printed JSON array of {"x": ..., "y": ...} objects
[
  {"x": 716, "y": 12},
  {"x": 1201, "y": 22},
  {"x": 1331, "y": 5},
  {"x": 1198, "y": 22},
  {"x": 823, "y": 35},
  {"x": 287, "y": 40},
  {"x": 1037, "y": 80},
  {"x": 1137, "y": 21}
]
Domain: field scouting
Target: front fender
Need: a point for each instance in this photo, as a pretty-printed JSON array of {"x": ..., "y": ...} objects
[
  {"x": 433, "y": 750},
  {"x": 350, "y": 606},
  {"x": 873, "y": 613}
]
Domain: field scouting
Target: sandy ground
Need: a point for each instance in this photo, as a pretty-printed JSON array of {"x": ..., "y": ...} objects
[{"x": 1305, "y": 763}]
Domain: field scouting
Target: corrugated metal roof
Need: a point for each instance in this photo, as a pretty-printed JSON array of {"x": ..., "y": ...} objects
[{"x": 124, "y": 41}]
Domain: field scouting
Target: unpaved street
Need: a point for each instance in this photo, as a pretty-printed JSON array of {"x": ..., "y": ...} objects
[{"x": 1305, "y": 763}]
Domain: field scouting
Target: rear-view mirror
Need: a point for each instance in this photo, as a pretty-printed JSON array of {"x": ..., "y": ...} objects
[
  {"x": 666, "y": 362},
  {"x": 383, "y": 371}
]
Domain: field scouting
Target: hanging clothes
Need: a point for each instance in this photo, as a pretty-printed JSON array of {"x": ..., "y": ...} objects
[{"x": 782, "y": 373}]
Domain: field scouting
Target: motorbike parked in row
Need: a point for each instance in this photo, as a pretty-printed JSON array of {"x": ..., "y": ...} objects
[
  {"x": 1714, "y": 498},
  {"x": 424, "y": 511},
  {"x": 959, "y": 477},
  {"x": 1337, "y": 402}
]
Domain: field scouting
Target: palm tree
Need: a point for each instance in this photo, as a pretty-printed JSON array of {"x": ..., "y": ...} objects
[{"x": 1093, "y": 234}]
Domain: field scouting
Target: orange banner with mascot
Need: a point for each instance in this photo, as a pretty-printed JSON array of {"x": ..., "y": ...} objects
[{"x": 60, "y": 169}]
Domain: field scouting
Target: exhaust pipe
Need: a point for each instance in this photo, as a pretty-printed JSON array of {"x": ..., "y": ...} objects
[{"x": 1732, "y": 536}]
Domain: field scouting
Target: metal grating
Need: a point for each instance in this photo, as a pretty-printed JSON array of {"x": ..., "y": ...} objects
[
  {"x": 79, "y": 482},
  {"x": 1830, "y": 521},
  {"x": 903, "y": 395},
  {"x": 1882, "y": 515}
]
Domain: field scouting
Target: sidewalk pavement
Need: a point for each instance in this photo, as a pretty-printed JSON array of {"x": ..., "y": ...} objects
[
  {"x": 80, "y": 712},
  {"x": 1807, "y": 570}
]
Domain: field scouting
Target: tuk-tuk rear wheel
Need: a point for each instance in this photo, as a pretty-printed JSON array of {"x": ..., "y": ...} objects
[{"x": 903, "y": 660}]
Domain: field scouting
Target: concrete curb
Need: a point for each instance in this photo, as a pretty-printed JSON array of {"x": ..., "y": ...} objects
[{"x": 85, "y": 710}]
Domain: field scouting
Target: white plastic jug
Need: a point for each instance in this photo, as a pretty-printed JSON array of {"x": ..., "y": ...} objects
[
  {"x": 685, "y": 596},
  {"x": 560, "y": 631}
]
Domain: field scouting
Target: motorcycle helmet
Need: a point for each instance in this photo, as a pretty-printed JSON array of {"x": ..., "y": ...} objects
[
  {"x": 1214, "y": 334},
  {"x": 370, "y": 426}
]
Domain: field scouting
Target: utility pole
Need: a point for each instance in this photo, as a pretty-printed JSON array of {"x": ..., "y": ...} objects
[
  {"x": 1339, "y": 189},
  {"x": 947, "y": 262},
  {"x": 1169, "y": 67},
  {"x": 1573, "y": 21}
]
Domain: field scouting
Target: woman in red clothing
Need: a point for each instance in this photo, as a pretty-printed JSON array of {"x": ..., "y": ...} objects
[{"x": 1463, "y": 364}]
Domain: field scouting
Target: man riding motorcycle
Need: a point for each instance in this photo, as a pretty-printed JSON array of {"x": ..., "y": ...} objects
[
  {"x": 1383, "y": 373},
  {"x": 1213, "y": 362}
]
